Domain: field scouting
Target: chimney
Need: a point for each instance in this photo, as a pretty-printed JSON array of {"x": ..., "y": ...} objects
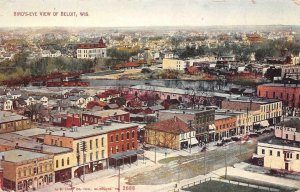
[
  {"x": 17, "y": 145},
  {"x": 3, "y": 157},
  {"x": 64, "y": 134}
]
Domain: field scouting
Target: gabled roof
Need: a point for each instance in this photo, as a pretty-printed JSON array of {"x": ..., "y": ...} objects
[{"x": 92, "y": 104}]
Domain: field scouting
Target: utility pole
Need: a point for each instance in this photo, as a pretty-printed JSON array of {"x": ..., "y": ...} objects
[
  {"x": 226, "y": 162},
  {"x": 155, "y": 146},
  {"x": 190, "y": 126},
  {"x": 119, "y": 180},
  {"x": 83, "y": 149}
]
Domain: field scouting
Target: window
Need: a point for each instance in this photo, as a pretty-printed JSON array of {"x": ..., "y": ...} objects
[
  {"x": 77, "y": 147},
  {"x": 96, "y": 143},
  {"x": 20, "y": 185},
  {"x": 111, "y": 138},
  {"x": 127, "y": 135},
  {"x": 122, "y": 147},
  {"x": 127, "y": 146},
  {"x": 122, "y": 136},
  {"x": 117, "y": 148},
  {"x": 52, "y": 142},
  {"x": 132, "y": 145},
  {"x": 56, "y": 163},
  {"x": 68, "y": 161},
  {"x": 62, "y": 162},
  {"x": 262, "y": 151},
  {"x": 271, "y": 152},
  {"x": 286, "y": 136},
  {"x": 97, "y": 155},
  {"x": 102, "y": 141},
  {"x": 278, "y": 153},
  {"x": 91, "y": 144},
  {"x": 102, "y": 154},
  {"x": 24, "y": 172},
  {"x": 50, "y": 178},
  {"x": 117, "y": 138},
  {"x": 297, "y": 156},
  {"x": 60, "y": 143},
  {"x": 35, "y": 171},
  {"x": 91, "y": 156}
]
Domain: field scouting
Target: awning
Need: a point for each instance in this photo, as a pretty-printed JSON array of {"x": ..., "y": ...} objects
[
  {"x": 264, "y": 123},
  {"x": 124, "y": 154},
  {"x": 212, "y": 127},
  {"x": 194, "y": 141}
]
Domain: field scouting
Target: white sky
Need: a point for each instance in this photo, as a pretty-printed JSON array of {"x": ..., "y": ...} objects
[{"x": 126, "y": 13}]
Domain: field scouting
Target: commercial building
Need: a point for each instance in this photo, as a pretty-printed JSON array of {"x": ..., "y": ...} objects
[
  {"x": 100, "y": 142},
  {"x": 26, "y": 170},
  {"x": 91, "y": 50},
  {"x": 265, "y": 111},
  {"x": 283, "y": 151},
  {"x": 202, "y": 120},
  {"x": 225, "y": 126},
  {"x": 95, "y": 117},
  {"x": 172, "y": 133},
  {"x": 289, "y": 94},
  {"x": 10, "y": 122}
]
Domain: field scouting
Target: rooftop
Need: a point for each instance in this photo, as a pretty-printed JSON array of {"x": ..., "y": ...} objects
[
  {"x": 107, "y": 113},
  {"x": 280, "y": 85},
  {"x": 184, "y": 92},
  {"x": 31, "y": 132},
  {"x": 254, "y": 100},
  {"x": 17, "y": 155},
  {"x": 217, "y": 117},
  {"x": 174, "y": 125},
  {"x": 93, "y": 130},
  {"x": 8, "y": 117},
  {"x": 293, "y": 123},
  {"x": 281, "y": 142}
]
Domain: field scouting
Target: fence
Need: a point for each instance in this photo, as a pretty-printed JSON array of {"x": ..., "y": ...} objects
[{"x": 225, "y": 181}]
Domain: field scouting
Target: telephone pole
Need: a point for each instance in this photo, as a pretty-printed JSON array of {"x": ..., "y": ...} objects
[
  {"x": 190, "y": 126},
  {"x": 83, "y": 149}
]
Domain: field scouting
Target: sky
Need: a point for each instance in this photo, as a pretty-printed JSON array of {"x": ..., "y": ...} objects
[{"x": 132, "y": 13}]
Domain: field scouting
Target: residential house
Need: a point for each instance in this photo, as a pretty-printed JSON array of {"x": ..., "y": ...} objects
[{"x": 6, "y": 104}]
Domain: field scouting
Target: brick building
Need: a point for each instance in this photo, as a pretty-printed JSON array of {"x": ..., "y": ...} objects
[
  {"x": 265, "y": 111},
  {"x": 95, "y": 117},
  {"x": 202, "y": 121},
  {"x": 225, "y": 126},
  {"x": 26, "y": 170},
  {"x": 289, "y": 94},
  {"x": 10, "y": 122}
]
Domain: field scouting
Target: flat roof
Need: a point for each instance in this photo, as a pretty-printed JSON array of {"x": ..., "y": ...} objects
[
  {"x": 186, "y": 111},
  {"x": 254, "y": 100},
  {"x": 31, "y": 132},
  {"x": 18, "y": 155},
  {"x": 93, "y": 130},
  {"x": 281, "y": 142},
  {"x": 293, "y": 123},
  {"x": 217, "y": 117},
  {"x": 6, "y": 116},
  {"x": 184, "y": 92},
  {"x": 280, "y": 85},
  {"x": 107, "y": 113}
]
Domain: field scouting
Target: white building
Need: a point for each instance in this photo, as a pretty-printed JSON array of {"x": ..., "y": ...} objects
[
  {"x": 175, "y": 64},
  {"x": 91, "y": 51}
]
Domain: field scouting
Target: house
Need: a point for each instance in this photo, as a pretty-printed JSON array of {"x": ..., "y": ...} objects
[
  {"x": 77, "y": 101},
  {"x": 172, "y": 133},
  {"x": 66, "y": 120},
  {"x": 107, "y": 95},
  {"x": 100, "y": 105},
  {"x": 128, "y": 65},
  {"x": 6, "y": 104},
  {"x": 14, "y": 94}
]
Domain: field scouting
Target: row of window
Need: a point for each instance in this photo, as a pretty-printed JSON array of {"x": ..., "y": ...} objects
[
  {"x": 28, "y": 171},
  {"x": 97, "y": 119},
  {"x": 91, "y": 157},
  {"x": 116, "y": 149},
  {"x": 25, "y": 183},
  {"x": 62, "y": 162},
  {"x": 287, "y": 155},
  {"x": 91, "y": 142},
  {"x": 116, "y": 137}
]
